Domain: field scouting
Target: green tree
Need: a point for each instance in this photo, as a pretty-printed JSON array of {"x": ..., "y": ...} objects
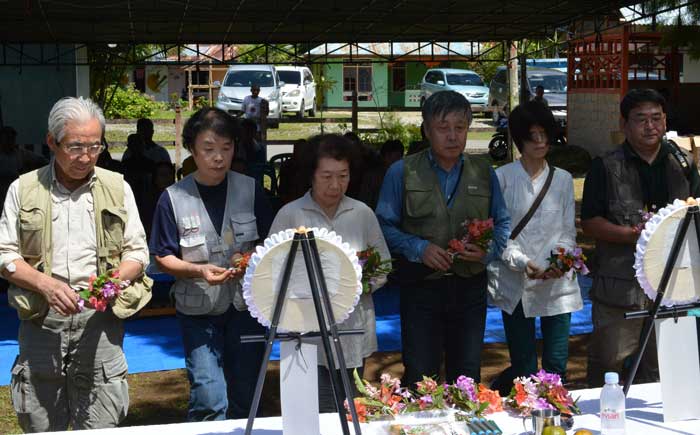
[
  {"x": 273, "y": 53},
  {"x": 108, "y": 67},
  {"x": 680, "y": 29}
]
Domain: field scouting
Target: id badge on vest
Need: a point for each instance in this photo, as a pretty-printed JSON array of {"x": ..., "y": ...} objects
[{"x": 193, "y": 244}]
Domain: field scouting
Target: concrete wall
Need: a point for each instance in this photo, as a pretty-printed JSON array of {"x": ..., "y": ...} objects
[
  {"x": 691, "y": 69},
  {"x": 592, "y": 117},
  {"x": 27, "y": 93}
]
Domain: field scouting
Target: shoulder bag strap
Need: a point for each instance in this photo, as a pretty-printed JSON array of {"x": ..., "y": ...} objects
[{"x": 533, "y": 208}]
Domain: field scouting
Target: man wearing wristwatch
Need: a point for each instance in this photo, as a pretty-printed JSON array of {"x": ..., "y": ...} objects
[{"x": 62, "y": 224}]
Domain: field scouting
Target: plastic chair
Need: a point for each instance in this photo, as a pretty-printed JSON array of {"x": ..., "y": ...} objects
[
  {"x": 260, "y": 170},
  {"x": 276, "y": 161}
]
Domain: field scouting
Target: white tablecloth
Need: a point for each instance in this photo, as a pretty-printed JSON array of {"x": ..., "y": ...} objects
[{"x": 644, "y": 417}]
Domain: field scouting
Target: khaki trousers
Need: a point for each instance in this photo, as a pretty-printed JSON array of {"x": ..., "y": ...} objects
[{"x": 70, "y": 371}]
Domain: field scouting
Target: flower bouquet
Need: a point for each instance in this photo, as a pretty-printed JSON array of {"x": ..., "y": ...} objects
[
  {"x": 541, "y": 391},
  {"x": 570, "y": 262},
  {"x": 373, "y": 404},
  {"x": 102, "y": 290},
  {"x": 391, "y": 400},
  {"x": 239, "y": 263},
  {"x": 476, "y": 231},
  {"x": 645, "y": 216},
  {"x": 373, "y": 267}
]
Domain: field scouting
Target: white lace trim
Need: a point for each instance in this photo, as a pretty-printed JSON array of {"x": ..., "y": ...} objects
[
  {"x": 287, "y": 236},
  {"x": 644, "y": 238}
]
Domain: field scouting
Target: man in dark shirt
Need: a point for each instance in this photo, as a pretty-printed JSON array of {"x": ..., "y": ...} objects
[{"x": 644, "y": 173}]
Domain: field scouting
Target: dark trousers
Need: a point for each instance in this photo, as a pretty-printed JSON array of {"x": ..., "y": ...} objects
[
  {"x": 326, "y": 400},
  {"x": 447, "y": 315},
  {"x": 520, "y": 334}
]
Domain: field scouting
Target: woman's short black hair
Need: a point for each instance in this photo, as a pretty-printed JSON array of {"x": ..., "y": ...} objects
[
  {"x": 332, "y": 146},
  {"x": 524, "y": 116},
  {"x": 208, "y": 119},
  {"x": 636, "y": 97}
]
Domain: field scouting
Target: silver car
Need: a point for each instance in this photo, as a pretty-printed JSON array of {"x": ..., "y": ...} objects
[
  {"x": 236, "y": 87},
  {"x": 553, "y": 81},
  {"x": 464, "y": 81}
]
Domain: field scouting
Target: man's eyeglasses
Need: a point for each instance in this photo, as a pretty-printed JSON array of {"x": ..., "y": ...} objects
[{"x": 75, "y": 149}]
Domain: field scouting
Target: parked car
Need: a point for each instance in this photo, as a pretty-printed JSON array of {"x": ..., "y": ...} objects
[
  {"x": 553, "y": 81},
  {"x": 299, "y": 90},
  {"x": 464, "y": 81},
  {"x": 236, "y": 86}
]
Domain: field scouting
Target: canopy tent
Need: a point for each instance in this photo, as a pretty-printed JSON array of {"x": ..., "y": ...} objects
[{"x": 309, "y": 22}]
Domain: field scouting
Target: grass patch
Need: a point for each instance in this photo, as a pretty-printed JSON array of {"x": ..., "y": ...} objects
[{"x": 8, "y": 419}]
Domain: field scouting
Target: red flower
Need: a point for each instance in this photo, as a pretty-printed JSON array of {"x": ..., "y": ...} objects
[
  {"x": 520, "y": 394},
  {"x": 490, "y": 396},
  {"x": 361, "y": 411},
  {"x": 456, "y": 245}
]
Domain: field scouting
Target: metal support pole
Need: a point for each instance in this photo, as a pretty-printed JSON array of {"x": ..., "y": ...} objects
[{"x": 279, "y": 303}]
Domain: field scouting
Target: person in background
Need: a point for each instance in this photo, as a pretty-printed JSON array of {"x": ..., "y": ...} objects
[
  {"x": 646, "y": 172},
  {"x": 155, "y": 152},
  {"x": 71, "y": 370},
  {"x": 291, "y": 186},
  {"x": 325, "y": 205},
  {"x": 138, "y": 169},
  {"x": 199, "y": 226},
  {"x": 539, "y": 96},
  {"x": 106, "y": 161},
  {"x": 423, "y": 201},
  {"x": 521, "y": 284},
  {"x": 15, "y": 160},
  {"x": 162, "y": 177},
  {"x": 248, "y": 147},
  {"x": 391, "y": 151},
  {"x": 255, "y": 108}
]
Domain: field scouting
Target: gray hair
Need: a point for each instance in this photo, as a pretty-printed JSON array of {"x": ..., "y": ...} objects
[
  {"x": 73, "y": 109},
  {"x": 442, "y": 103}
]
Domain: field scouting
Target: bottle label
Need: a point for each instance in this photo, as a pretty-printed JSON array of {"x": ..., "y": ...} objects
[{"x": 610, "y": 414}]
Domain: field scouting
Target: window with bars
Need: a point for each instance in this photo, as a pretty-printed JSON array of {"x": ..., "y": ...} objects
[{"x": 357, "y": 77}]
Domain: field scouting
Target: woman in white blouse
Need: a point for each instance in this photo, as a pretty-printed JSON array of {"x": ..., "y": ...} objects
[
  {"x": 520, "y": 284},
  {"x": 326, "y": 206}
]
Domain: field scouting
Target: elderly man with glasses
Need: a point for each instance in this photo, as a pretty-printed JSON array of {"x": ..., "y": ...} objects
[
  {"x": 646, "y": 172},
  {"x": 62, "y": 224}
]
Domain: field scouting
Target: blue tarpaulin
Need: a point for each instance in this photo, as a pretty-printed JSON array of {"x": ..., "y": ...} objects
[{"x": 153, "y": 344}]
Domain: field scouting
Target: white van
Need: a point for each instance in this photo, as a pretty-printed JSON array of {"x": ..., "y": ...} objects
[
  {"x": 299, "y": 90},
  {"x": 236, "y": 87}
]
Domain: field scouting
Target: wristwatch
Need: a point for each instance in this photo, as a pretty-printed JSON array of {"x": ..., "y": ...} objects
[{"x": 11, "y": 268}]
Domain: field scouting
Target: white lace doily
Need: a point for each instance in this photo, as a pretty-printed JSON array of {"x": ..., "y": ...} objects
[
  {"x": 653, "y": 250},
  {"x": 263, "y": 278}
]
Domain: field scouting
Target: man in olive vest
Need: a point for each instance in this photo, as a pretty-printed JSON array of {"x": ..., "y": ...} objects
[
  {"x": 62, "y": 224},
  {"x": 423, "y": 202},
  {"x": 644, "y": 173}
]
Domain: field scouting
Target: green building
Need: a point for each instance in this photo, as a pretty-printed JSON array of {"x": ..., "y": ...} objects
[{"x": 385, "y": 75}]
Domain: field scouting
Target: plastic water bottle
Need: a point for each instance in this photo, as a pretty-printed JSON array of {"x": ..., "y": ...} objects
[{"x": 612, "y": 406}]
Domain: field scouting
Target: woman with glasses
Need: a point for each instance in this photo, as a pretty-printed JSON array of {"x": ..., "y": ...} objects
[
  {"x": 199, "y": 225},
  {"x": 521, "y": 284},
  {"x": 325, "y": 205}
]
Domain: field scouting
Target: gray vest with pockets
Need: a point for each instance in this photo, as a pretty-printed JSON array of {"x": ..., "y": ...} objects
[{"x": 201, "y": 244}]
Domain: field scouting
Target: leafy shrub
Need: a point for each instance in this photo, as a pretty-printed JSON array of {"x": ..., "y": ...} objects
[
  {"x": 200, "y": 103},
  {"x": 393, "y": 128},
  {"x": 129, "y": 103}
]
